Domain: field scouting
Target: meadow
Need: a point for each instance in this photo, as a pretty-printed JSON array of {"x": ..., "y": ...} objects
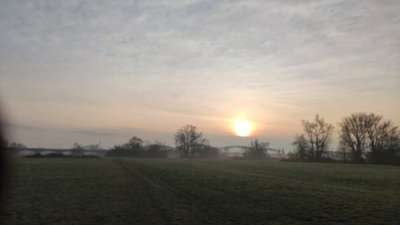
[{"x": 128, "y": 191}]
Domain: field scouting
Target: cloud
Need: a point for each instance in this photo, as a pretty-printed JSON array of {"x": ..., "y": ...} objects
[{"x": 198, "y": 59}]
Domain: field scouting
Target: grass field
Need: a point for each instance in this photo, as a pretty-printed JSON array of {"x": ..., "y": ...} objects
[{"x": 115, "y": 191}]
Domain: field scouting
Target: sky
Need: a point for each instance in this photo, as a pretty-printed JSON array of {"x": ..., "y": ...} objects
[{"x": 103, "y": 71}]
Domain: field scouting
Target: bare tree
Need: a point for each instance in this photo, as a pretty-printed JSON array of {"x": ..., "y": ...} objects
[
  {"x": 134, "y": 143},
  {"x": 302, "y": 147},
  {"x": 344, "y": 151},
  {"x": 353, "y": 137},
  {"x": 384, "y": 142},
  {"x": 77, "y": 149},
  {"x": 317, "y": 133},
  {"x": 369, "y": 136},
  {"x": 187, "y": 139}
]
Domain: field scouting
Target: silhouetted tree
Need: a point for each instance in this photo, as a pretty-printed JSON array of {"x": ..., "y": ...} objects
[
  {"x": 257, "y": 150},
  {"x": 353, "y": 136},
  {"x": 134, "y": 143},
  {"x": 302, "y": 147},
  {"x": 157, "y": 150},
  {"x": 187, "y": 139},
  {"x": 315, "y": 140},
  {"x": 77, "y": 150},
  {"x": 344, "y": 152},
  {"x": 205, "y": 151},
  {"x": 134, "y": 148},
  {"x": 384, "y": 141},
  {"x": 368, "y": 136}
]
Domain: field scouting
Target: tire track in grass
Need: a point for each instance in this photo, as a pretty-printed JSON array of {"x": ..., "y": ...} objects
[
  {"x": 161, "y": 215},
  {"x": 221, "y": 205},
  {"x": 175, "y": 206}
]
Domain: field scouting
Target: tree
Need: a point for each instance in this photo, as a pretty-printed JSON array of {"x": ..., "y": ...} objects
[
  {"x": 157, "y": 150},
  {"x": 344, "y": 152},
  {"x": 353, "y": 136},
  {"x": 77, "y": 150},
  {"x": 134, "y": 143},
  {"x": 133, "y": 148},
  {"x": 187, "y": 139},
  {"x": 302, "y": 147},
  {"x": 205, "y": 151},
  {"x": 315, "y": 140},
  {"x": 257, "y": 150},
  {"x": 368, "y": 136},
  {"x": 384, "y": 142}
]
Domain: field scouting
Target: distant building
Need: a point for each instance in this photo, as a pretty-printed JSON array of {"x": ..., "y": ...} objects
[{"x": 238, "y": 152}]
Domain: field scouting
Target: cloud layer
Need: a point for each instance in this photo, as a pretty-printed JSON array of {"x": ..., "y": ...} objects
[{"x": 156, "y": 65}]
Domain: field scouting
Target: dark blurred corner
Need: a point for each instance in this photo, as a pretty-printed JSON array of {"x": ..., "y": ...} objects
[{"x": 3, "y": 160}]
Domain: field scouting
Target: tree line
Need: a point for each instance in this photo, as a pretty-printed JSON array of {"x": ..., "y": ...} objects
[
  {"x": 363, "y": 137},
  {"x": 135, "y": 147},
  {"x": 189, "y": 143}
]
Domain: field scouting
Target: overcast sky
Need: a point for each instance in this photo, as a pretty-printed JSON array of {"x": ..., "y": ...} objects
[{"x": 90, "y": 71}]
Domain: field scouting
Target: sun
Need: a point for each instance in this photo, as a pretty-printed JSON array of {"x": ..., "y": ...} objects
[{"x": 243, "y": 127}]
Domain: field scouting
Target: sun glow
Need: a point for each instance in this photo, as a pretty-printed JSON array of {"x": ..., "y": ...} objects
[{"x": 243, "y": 127}]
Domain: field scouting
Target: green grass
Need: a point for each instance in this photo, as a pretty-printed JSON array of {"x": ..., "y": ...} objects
[{"x": 118, "y": 191}]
